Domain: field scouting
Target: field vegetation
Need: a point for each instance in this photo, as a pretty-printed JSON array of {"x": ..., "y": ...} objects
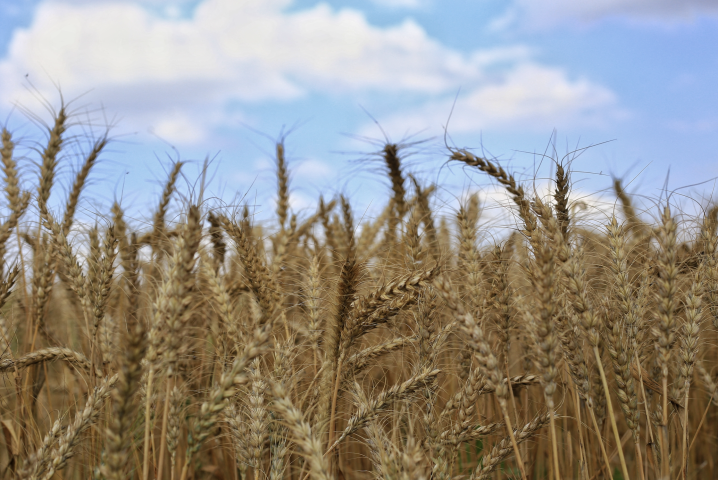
[{"x": 205, "y": 344}]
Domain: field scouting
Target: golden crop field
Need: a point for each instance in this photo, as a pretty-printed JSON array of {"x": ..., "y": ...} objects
[{"x": 206, "y": 345}]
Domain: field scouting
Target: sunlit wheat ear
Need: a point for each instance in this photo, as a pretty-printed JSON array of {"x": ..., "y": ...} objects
[
  {"x": 665, "y": 288},
  {"x": 374, "y": 309},
  {"x": 175, "y": 422},
  {"x": 73, "y": 358},
  {"x": 312, "y": 301},
  {"x": 505, "y": 179},
  {"x": 67, "y": 443},
  {"x": 690, "y": 335},
  {"x": 412, "y": 239},
  {"x": 103, "y": 281},
  {"x": 369, "y": 408},
  {"x": 622, "y": 333},
  {"x": 325, "y": 211},
  {"x": 235, "y": 419},
  {"x": 179, "y": 283},
  {"x": 257, "y": 417},
  {"x": 359, "y": 361},
  {"x": 49, "y": 161},
  {"x": 560, "y": 196},
  {"x": 159, "y": 226},
  {"x": 427, "y": 218},
  {"x": 488, "y": 363},
  {"x": 382, "y": 451},
  {"x": 129, "y": 255},
  {"x": 120, "y": 434},
  {"x": 367, "y": 244},
  {"x": 469, "y": 257},
  {"x": 708, "y": 381},
  {"x": 212, "y": 408},
  {"x": 282, "y": 186},
  {"x": 9, "y": 168},
  {"x": 278, "y": 430},
  {"x": 619, "y": 348},
  {"x": 80, "y": 180},
  {"x": 302, "y": 433},
  {"x": 17, "y": 201},
  {"x": 257, "y": 274},
  {"x": 7, "y": 284},
  {"x": 42, "y": 282},
  {"x": 634, "y": 225},
  {"x": 36, "y": 462},
  {"x": 426, "y": 319},
  {"x": 107, "y": 334}
]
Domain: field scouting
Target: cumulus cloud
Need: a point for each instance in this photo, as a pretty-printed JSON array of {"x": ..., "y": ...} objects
[
  {"x": 177, "y": 75},
  {"x": 400, "y": 3},
  {"x": 547, "y": 13},
  {"x": 527, "y": 96},
  {"x": 313, "y": 169},
  {"x": 248, "y": 51}
]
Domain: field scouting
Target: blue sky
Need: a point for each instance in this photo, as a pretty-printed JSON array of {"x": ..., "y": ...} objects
[{"x": 222, "y": 78}]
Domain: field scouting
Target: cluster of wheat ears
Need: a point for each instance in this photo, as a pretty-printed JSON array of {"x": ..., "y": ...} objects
[{"x": 209, "y": 346}]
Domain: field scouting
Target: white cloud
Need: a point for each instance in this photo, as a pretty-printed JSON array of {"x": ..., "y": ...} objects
[
  {"x": 140, "y": 63},
  {"x": 299, "y": 202},
  {"x": 312, "y": 170},
  {"x": 248, "y": 49},
  {"x": 527, "y": 96},
  {"x": 180, "y": 129},
  {"x": 176, "y": 75},
  {"x": 547, "y": 13},
  {"x": 400, "y": 3}
]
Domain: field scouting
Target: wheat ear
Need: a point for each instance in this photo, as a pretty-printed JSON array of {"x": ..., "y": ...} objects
[
  {"x": 487, "y": 360},
  {"x": 370, "y": 408},
  {"x": 212, "y": 408},
  {"x": 664, "y": 331},
  {"x": 79, "y": 184},
  {"x": 83, "y": 420},
  {"x": 120, "y": 434},
  {"x": 302, "y": 432},
  {"x": 49, "y": 161},
  {"x": 503, "y": 449},
  {"x": 72, "y": 357}
]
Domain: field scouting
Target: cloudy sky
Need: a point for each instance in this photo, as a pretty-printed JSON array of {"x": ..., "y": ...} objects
[{"x": 224, "y": 78}]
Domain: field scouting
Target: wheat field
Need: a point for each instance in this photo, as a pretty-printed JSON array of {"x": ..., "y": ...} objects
[{"x": 203, "y": 344}]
